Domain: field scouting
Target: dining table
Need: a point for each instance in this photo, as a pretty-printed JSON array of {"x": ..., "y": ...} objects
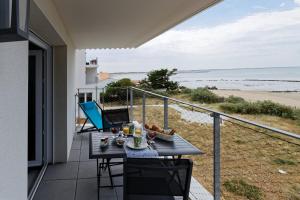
[{"x": 176, "y": 149}]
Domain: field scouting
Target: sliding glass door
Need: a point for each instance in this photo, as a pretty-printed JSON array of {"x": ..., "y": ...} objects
[{"x": 35, "y": 108}]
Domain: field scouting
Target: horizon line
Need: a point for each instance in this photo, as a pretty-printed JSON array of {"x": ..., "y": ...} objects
[{"x": 185, "y": 70}]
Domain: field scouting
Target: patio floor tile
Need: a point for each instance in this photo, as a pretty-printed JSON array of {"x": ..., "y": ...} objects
[
  {"x": 61, "y": 171},
  {"x": 74, "y": 155},
  {"x": 56, "y": 190},
  {"x": 87, "y": 190},
  {"x": 87, "y": 169}
]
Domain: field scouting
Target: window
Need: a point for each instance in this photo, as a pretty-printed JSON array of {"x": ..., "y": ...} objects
[
  {"x": 81, "y": 97},
  {"x": 89, "y": 96}
]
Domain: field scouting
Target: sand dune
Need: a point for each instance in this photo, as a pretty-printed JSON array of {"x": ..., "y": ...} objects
[{"x": 286, "y": 98}]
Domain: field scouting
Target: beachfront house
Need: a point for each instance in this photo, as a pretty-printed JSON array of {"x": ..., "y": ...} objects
[{"x": 39, "y": 39}]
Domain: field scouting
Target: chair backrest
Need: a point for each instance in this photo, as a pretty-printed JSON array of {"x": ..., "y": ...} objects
[
  {"x": 93, "y": 113},
  {"x": 156, "y": 178},
  {"x": 115, "y": 118}
]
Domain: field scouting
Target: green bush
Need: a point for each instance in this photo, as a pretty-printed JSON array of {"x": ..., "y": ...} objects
[
  {"x": 260, "y": 107},
  {"x": 234, "y": 99},
  {"x": 203, "y": 95},
  {"x": 185, "y": 90},
  {"x": 241, "y": 108}
]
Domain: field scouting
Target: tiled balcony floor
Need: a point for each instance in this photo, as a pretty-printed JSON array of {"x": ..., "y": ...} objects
[{"x": 77, "y": 179}]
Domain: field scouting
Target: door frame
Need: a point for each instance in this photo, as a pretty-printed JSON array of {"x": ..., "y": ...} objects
[
  {"x": 48, "y": 95},
  {"x": 47, "y": 108}
]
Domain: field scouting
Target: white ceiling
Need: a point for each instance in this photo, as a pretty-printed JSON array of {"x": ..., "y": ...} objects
[{"x": 123, "y": 23}]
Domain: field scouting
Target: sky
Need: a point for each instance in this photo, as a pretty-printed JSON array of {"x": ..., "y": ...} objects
[{"x": 231, "y": 34}]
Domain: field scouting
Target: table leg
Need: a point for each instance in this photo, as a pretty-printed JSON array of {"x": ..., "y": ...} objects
[
  {"x": 109, "y": 172},
  {"x": 98, "y": 180}
]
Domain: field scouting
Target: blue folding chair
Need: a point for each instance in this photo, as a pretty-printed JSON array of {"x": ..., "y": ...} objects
[{"x": 93, "y": 114}]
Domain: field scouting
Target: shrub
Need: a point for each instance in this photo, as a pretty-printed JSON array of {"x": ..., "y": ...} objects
[
  {"x": 203, "y": 95},
  {"x": 241, "y": 108},
  {"x": 234, "y": 99},
  {"x": 185, "y": 90},
  {"x": 260, "y": 107},
  {"x": 241, "y": 188},
  {"x": 271, "y": 108},
  {"x": 297, "y": 115}
]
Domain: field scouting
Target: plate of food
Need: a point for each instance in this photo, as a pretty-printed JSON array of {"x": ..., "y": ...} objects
[
  {"x": 120, "y": 141},
  {"x": 163, "y": 134},
  {"x": 130, "y": 143}
]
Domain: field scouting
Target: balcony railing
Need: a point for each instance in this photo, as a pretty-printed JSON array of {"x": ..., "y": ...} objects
[{"x": 242, "y": 157}]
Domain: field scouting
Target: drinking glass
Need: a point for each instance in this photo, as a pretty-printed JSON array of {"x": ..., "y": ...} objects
[
  {"x": 138, "y": 131},
  {"x": 125, "y": 128}
]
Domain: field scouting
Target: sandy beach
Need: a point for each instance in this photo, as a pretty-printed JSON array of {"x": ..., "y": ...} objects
[{"x": 286, "y": 98}]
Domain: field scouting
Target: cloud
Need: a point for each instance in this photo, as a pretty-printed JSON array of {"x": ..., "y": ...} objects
[
  {"x": 297, "y": 2},
  {"x": 259, "y": 7},
  {"x": 282, "y": 4},
  {"x": 265, "y": 39}
]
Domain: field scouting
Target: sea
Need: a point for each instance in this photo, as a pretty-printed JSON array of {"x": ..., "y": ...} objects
[{"x": 277, "y": 79}]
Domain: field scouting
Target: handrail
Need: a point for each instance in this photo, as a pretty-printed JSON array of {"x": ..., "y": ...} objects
[{"x": 286, "y": 133}]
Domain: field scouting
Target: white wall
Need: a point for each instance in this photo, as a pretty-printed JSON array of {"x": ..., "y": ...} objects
[
  {"x": 60, "y": 103},
  {"x": 13, "y": 120},
  {"x": 91, "y": 75},
  {"x": 71, "y": 91},
  {"x": 80, "y": 69},
  {"x": 63, "y": 101}
]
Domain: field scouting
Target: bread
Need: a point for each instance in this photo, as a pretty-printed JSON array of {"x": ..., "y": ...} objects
[{"x": 147, "y": 126}]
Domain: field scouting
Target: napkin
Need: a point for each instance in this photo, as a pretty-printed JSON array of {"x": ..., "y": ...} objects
[{"x": 144, "y": 153}]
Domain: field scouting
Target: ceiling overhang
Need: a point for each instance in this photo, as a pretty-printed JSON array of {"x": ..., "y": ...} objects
[{"x": 123, "y": 23}]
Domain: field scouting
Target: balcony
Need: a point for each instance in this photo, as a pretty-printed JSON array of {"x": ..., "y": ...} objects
[{"x": 240, "y": 155}]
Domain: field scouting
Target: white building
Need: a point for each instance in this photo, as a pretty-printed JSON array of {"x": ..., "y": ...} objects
[{"x": 39, "y": 54}]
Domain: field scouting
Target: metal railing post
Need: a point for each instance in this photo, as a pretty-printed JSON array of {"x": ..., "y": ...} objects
[
  {"x": 127, "y": 94},
  {"x": 166, "y": 117},
  {"x": 96, "y": 94},
  {"x": 217, "y": 156},
  {"x": 131, "y": 104},
  {"x": 75, "y": 96},
  {"x": 103, "y": 97},
  {"x": 78, "y": 108},
  {"x": 144, "y": 109}
]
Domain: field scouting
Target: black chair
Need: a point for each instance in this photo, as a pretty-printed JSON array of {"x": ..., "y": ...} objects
[
  {"x": 114, "y": 118},
  {"x": 157, "y": 178}
]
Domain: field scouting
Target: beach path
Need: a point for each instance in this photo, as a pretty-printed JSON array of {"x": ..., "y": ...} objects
[{"x": 286, "y": 98}]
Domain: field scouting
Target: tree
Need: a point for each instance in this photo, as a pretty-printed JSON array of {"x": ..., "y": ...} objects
[
  {"x": 116, "y": 91},
  {"x": 160, "y": 79}
]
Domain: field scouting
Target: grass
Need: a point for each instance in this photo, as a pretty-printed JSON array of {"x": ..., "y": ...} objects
[
  {"x": 245, "y": 154},
  {"x": 241, "y": 188},
  {"x": 295, "y": 192}
]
